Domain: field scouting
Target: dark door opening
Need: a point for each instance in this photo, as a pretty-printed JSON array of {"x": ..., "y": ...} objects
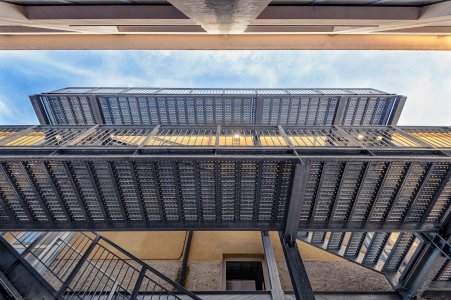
[{"x": 244, "y": 276}]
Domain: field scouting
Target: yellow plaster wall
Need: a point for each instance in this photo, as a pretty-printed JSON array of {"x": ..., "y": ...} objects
[
  {"x": 154, "y": 245},
  {"x": 206, "y": 245}
]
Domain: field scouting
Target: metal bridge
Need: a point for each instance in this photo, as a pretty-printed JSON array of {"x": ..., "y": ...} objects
[
  {"x": 256, "y": 178},
  {"x": 186, "y": 106},
  {"x": 361, "y": 185}
]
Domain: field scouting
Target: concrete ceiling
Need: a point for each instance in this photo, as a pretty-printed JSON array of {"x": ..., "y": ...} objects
[{"x": 225, "y": 24}]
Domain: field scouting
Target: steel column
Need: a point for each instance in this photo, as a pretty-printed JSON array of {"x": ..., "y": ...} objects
[
  {"x": 299, "y": 278},
  {"x": 184, "y": 266},
  {"x": 296, "y": 201},
  {"x": 276, "y": 288}
]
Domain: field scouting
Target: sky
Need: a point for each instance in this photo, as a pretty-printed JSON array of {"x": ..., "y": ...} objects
[{"x": 424, "y": 77}]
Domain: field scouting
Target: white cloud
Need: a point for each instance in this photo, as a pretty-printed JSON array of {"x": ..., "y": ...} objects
[{"x": 422, "y": 76}]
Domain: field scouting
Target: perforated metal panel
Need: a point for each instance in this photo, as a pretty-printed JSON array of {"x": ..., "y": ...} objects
[
  {"x": 368, "y": 110},
  {"x": 216, "y": 106}
]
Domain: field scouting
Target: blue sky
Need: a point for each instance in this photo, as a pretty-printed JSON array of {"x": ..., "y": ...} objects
[{"x": 425, "y": 77}]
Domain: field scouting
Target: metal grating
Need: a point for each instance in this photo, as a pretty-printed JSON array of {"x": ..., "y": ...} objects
[
  {"x": 368, "y": 111},
  {"x": 298, "y": 111},
  {"x": 65, "y": 110},
  {"x": 216, "y": 106},
  {"x": 216, "y": 179},
  {"x": 177, "y": 110}
]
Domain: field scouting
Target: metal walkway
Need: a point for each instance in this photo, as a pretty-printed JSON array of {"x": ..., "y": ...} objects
[
  {"x": 129, "y": 178},
  {"x": 186, "y": 106},
  {"x": 77, "y": 265}
]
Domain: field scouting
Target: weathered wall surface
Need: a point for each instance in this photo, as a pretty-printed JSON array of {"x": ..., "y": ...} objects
[{"x": 163, "y": 251}]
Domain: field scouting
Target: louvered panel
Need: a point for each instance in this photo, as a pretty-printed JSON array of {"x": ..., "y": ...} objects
[
  {"x": 145, "y": 173},
  {"x": 445, "y": 272},
  {"x": 128, "y": 192},
  {"x": 312, "y": 110},
  {"x": 107, "y": 190},
  {"x": 398, "y": 253},
  {"x": 12, "y": 200},
  {"x": 335, "y": 241},
  {"x": 318, "y": 238},
  {"x": 406, "y": 194},
  {"x": 310, "y": 191},
  {"x": 348, "y": 113},
  {"x": 269, "y": 187},
  {"x": 282, "y": 197},
  {"x": 358, "y": 110},
  {"x": 166, "y": 178},
  {"x": 77, "y": 110},
  {"x": 134, "y": 110},
  {"x": 381, "y": 112},
  {"x": 125, "y": 110},
  {"x": 27, "y": 191},
  {"x": 351, "y": 180},
  {"x": 67, "y": 190},
  {"x": 248, "y": 194},
  {"x": 425, "y": 196},
  {"x": 207, "y": 190},
  {"x": 86, "y": 109},
  {"x": 375, "y": 248},
  {"x": 388, "y": 191},
  {"x": 368, "y": 190},
  {"x": 87, "y": 188},
  {"x": 188, "y": 190},
  {"x": 327, "y": 191},
  {"x": 367, "y": 118},
  {"x": 144, "y": 111},
  {"x": 227, "y": 174},
  {"x": 67, "y": 109},
  {"x": 355, "y": 244},
  {"x": 46, "y": 190},
  {"x": 442, "y": 203}
]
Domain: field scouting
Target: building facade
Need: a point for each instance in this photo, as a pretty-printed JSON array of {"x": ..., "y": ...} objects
[{"x": 328, "y": 167}]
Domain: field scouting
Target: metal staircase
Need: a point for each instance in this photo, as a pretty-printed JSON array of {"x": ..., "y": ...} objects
[{"x": 79, "y": 265}]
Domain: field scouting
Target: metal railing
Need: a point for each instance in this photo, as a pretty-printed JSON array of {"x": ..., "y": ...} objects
[
  {"x": 85, "y": 265},
  {"x": 208, "y": 137}
]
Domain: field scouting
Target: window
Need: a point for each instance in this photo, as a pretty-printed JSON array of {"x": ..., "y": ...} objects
[{"x": 244, "y": 275}]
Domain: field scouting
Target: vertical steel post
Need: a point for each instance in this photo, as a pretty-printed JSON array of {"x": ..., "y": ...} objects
[
  {"x": 276, "y": 288},
  {"x": 299, "y": 279}
]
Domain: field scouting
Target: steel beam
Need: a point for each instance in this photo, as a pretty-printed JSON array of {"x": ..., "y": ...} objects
[
  {"x": 299, "y": 278},
  {"x": 276, "y": 288},
  {"x": 422, "y": 272},
  {"x": 92, "y": 177},
  {"x": 78, "y": 194},
  {"x": 296, "y": 200},
  {"x": 281, "y": 41}
]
